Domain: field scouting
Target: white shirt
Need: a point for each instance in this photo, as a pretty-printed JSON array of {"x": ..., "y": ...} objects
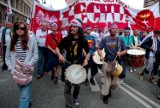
[
  {"x": 64, "y": 33},
  {"x": 41, "y": 37},
  {"x": 97, "y": 38},
  {"x": 31, "y": 33},
  {"x": 7, "y": 37},
  {"x": 136, "y": 40}
]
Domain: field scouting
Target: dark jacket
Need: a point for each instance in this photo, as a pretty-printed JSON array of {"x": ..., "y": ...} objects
[
  {"x": 146, "y": 45},
  {"x": 3, "y": 34}
]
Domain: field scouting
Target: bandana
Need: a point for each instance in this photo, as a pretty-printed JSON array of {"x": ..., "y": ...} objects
[
  {"x": 127, "y": 31},
  {"x": 113, "y": 25},
  {"x": 54, "y": 24},
  {"x": 88, "y": 28},
  {"x": 75, "y": 23}
]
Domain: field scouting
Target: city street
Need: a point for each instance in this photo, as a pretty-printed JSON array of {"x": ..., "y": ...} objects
[{"x": 134, "y": 93}]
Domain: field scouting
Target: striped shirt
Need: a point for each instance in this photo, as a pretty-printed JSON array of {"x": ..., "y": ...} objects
[{"x": 20, "y": 53}]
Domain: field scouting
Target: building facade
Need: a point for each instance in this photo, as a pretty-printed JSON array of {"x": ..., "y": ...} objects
[
  {"x": 20, "y": 10},
  {"x": 149, "y": 2}
]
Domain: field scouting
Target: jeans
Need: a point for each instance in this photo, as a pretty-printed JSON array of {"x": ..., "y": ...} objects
[
  {"x": 25, "y": 99},
  {"x": 52, "y": 61},
  {"x": 42, "y": 60}
]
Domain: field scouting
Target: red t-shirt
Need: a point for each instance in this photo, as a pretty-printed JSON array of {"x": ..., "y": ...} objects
[{"x": 51, "y": 42}]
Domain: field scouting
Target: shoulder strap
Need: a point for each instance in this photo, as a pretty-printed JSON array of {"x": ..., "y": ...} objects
[
  {"x": 117, "y": 45},
  {"x": 54, "y": 39}
]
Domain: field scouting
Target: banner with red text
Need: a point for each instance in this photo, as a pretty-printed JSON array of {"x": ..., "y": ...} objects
[
  {"x": 91, "y": 13},
  {"x": 100, "y": 13}
]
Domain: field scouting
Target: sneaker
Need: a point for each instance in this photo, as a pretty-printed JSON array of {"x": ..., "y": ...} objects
[
  {"x": 131, "y": 70},
  {"x": 134, "y": 69},
  {"x": 153, "y": 81},
  {"x": 39, "y": 76},
  {"x": 105, "y": 99},
  {"x": 76, "y": 102},
  {"x": 122, "y": 81},
  {"x": 92, "y": 81},
  {"x": 141, "y": 77},
  {"x": 56, "y": 81}
]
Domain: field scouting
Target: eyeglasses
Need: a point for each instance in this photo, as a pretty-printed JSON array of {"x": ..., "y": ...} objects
[{"x": 20, "y": 28}]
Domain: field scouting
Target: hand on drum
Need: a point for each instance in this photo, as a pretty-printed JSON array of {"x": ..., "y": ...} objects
[
  {"x": 119, "y": 54},
  {"x": 102, "y": 58},
  {"x": 85, "y": 63},
  {"x": 61, "y": 58}
]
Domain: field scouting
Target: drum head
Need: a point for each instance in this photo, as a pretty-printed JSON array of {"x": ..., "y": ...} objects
[
  {"x": 136, "y": 52},
  {"x": 76, "y": 74},
  {"x": 96, "y": 57}
]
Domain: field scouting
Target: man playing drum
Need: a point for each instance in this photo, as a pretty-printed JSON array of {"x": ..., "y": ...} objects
[
  {"x": 113, "y": 46},
  {"x": 74, "y": 44},
  {"x": 128, "y": 41}
]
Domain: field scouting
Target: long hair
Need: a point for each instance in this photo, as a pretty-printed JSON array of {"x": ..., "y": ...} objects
[
  {"x": 80, "y": 32},
  {"x": 14, "y": 39}
]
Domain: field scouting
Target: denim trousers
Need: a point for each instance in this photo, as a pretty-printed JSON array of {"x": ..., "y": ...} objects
[
  {"x": 25, "y": 98},
  {"x": 42, "y": 60}
]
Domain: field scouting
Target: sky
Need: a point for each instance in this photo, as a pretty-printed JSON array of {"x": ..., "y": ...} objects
[
  {"x": 138, "y": 4},
  {"x": 59, "y": 4}
]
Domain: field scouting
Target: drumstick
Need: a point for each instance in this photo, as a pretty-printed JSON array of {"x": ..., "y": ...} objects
[
  {"x": 116, "y": 55},
  {"x": 67, "y": 62},
  {"x": 79, "y": 70}
]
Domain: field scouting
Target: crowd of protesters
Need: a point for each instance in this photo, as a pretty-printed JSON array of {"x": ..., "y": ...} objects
[{"x": 47, "y": 47}]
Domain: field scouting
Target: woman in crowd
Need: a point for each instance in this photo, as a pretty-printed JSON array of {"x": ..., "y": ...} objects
[{"x": 24, "y": 49}]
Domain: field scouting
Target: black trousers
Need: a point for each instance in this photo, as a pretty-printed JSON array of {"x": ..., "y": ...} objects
[
  {"x": 94, "y": 68},
  {"x": 67, "y": 92},
  {"x": 4, "y": 55}
]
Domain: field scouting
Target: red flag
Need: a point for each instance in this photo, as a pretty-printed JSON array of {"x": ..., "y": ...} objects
[{"x": 144, "y": 19}]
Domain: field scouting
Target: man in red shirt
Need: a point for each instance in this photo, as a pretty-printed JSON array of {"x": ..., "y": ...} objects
[{"x": 52, "y": 41}]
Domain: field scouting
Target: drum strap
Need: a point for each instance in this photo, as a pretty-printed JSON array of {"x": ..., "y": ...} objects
[{"x": 54, "y": 39}]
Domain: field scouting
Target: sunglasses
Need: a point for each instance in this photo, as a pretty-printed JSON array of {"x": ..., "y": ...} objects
[{"x": 20, "y": 28}]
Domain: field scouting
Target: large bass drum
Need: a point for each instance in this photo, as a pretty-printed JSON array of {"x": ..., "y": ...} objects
[
  {"x": 136, "y": 57},
  {"x": 76, "y": 74}
]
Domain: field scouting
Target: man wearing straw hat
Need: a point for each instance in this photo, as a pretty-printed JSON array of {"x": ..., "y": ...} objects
[
  {"x": 114, "y": 48},
  {"x": 74, "y": 44}
]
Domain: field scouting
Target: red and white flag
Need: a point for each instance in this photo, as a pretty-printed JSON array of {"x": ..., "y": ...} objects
[
  {"x": 144, "y": 19},
  {"x": 8, "y": 11}
]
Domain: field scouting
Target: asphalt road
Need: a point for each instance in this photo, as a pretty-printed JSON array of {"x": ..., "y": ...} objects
[{"x": 133, "y": 93}]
